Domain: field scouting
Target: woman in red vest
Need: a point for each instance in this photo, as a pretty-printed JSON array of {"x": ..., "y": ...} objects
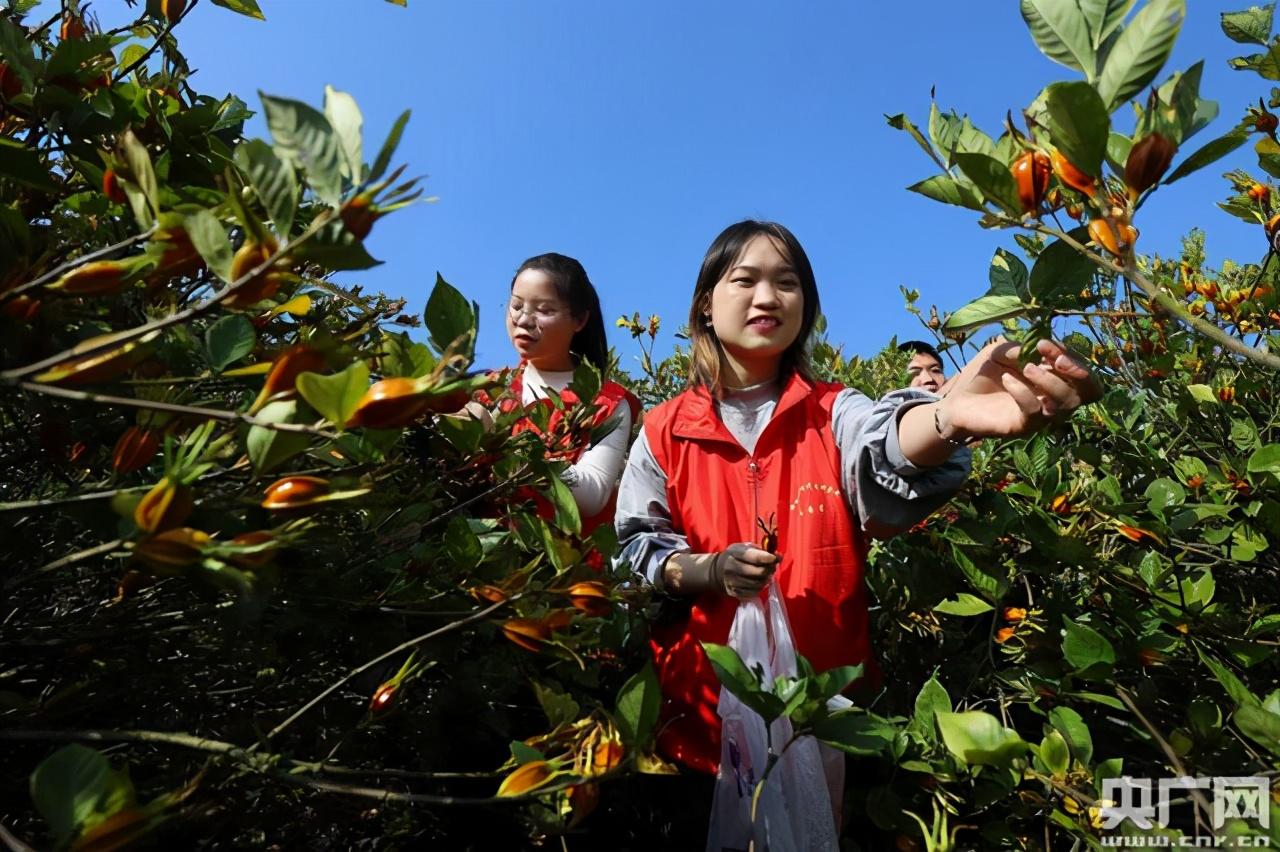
[
  {"x": 554, "y": 322},
  {"x": 756, "y": 437}
]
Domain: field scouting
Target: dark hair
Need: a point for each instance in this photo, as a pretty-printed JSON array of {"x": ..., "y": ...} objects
[
  {"x": 707, "y": 359},
  {"x": 919, "y": 347},
  {"x": 574, "y": 288}
]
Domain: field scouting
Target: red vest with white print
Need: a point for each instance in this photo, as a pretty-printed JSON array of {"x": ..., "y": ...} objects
[
  {"x": 561, "y": 442},
  {"x": 716, "y": 490}
]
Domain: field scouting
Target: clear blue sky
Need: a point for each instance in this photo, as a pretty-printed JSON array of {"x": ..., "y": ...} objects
[{"x": 629, "y": 134}]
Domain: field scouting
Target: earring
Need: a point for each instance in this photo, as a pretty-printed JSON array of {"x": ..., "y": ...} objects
[{"x": 706, "y": 321}]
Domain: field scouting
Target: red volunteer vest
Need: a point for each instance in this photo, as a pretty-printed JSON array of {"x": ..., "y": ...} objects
[
  {"x": 716, "y": 491},
  {"x": 558, "y": 437}
]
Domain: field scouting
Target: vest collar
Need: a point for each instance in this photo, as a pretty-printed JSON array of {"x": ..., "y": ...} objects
[{"x": 696, "y": 417}]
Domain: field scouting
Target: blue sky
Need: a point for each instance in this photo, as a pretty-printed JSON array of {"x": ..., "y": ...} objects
[{"x": 629, "y": 134}]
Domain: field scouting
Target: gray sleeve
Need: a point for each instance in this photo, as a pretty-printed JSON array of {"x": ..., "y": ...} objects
[
  {"x": 882, "y": 486},
  {"x": 643, "y": 518}
]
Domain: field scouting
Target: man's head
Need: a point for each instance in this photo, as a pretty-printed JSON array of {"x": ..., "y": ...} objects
[{"x": 925, "y": 365}]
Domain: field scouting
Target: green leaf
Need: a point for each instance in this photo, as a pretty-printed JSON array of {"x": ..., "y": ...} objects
[
  {"x": 335, "y": 397},
  {"x": 272, "y": 179},
  {"x": 979, "y": 738},
  {"x": 1061, "y": 31},
  {"x": 1210, "y": 152},
  {"x": 1118, "y": 147},
  {"x": 1061, "y": 271},
  {"x": 1202, "y": 394},
  {"x": 524, "y": 753},
  {"x": 989, "y": 586},
  {"x": 856, "y": 732},
  {"x": 248, "y": 8},
  {"x": 1261, "y": 726},
  {"x": 742, "y": 682},
  {"x": 344, "y": 115},
  {"x": 993, "y": 179},
  {"x": 931, "y": 700},
  {"x": 462, "y": 544},
  {"x": 1141, "y": 50},
  {"x": 639, "y": 702},
  {"x": 228, "y": 340},
  {"x": 1234, "y": 687},
  {"x": 1265, "y": 459},
  {"x": 1103, "y": 16},
  {"x": 953, "y": 134},
  {"x": 67, "y": 786},
  {"x": 901, "y": 122},
  {"x": 1071, "y": 725},
  {"x": 1163, "y": 493},
  {"x": 1252, "y": 26},
  {"x": 559, "y": 707},
  {"x": 388, "y": 149},
  {"x": 964, "y": 604},
  {"x": 336, "y": 248},
  {"x": 448, "y": 315},
  {"x": 210, "y": 239},
  {"x": 142, "y": 189},
  {"x": 23, "y": 165},
  {"x": 948, "y": 190},
  {"x": 270, "y": 448},
  {"x": 1266, "y": 65},
  {"x": 985, "y": 310},
  {"x": 567, "y": 517},
  {"x": 1079, "y": 124},
  {"x": 304, "y": 136},
  {"x": 1007, "y": 274},
  {"x": 1084, "y": 646},
  {"x": 1055, "y": 754}
]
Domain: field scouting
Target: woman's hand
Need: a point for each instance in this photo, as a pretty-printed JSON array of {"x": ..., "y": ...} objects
[{"x": 993, "y": 397}]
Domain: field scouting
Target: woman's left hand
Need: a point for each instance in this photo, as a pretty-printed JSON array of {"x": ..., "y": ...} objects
[{"x": 994, "y": 397}]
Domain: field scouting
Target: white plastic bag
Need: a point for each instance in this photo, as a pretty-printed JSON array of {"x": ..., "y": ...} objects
[{"x": 794, "y": 813}]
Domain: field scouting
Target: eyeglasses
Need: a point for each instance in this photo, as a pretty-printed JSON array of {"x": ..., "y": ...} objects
[{"x": 540, "y": 313}]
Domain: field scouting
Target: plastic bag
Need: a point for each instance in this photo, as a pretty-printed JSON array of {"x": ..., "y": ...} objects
[{"x": 795, "y": 811}]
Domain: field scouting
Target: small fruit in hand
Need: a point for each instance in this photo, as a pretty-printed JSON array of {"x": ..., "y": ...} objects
[{"x": 111, "y": 187}]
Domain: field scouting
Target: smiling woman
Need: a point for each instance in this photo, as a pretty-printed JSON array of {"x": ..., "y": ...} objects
[{"x": 756, "y": 437}]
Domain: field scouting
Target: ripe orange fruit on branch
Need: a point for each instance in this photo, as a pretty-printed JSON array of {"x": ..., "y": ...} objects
[
  {"x": 389, "y": 404},
  {"x": 1072, "y": 176},
  {"x": 264, "y": 285},
  {"x": 591, "y": 597},
  {"x": 97, "y": 278},
  {"x": 134, "y": 449},
  {"x": 1031, "y": 173},
  {"x": 172, "y": 549},
  {"x": 1102, "y": 234},
  {"x": 358, "y": 215},
  {"x": 1147, "y": 162},
  {"x": 527, "y": 778},
  {"x": 172, "y": 9},
  {"x": 285, "y": 370},
  {"x": 293, "y": 492},
  {"x": 166, "y": 505},
  {"x": 528, "y": 633}
]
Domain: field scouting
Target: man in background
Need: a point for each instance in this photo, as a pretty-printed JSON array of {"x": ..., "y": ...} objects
[{"x": 925, "y": 366}]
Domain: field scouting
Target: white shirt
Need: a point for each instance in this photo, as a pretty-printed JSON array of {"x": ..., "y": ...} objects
[{"x": 595, "y": 475}]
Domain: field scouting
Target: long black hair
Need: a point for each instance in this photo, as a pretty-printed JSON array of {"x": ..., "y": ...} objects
[{"x": 575, "y": 289}]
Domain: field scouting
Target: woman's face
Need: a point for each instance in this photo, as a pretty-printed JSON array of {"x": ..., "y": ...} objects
[
  {"x": 757, "y": 306},
  {"x": 539, "y": 323}
]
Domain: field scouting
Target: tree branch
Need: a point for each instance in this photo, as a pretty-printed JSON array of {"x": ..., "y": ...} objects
[{"x": 173, "y": 408}]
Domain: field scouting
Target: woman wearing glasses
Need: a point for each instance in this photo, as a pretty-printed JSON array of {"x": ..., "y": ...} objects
[{"x": 554, "y": 322}]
